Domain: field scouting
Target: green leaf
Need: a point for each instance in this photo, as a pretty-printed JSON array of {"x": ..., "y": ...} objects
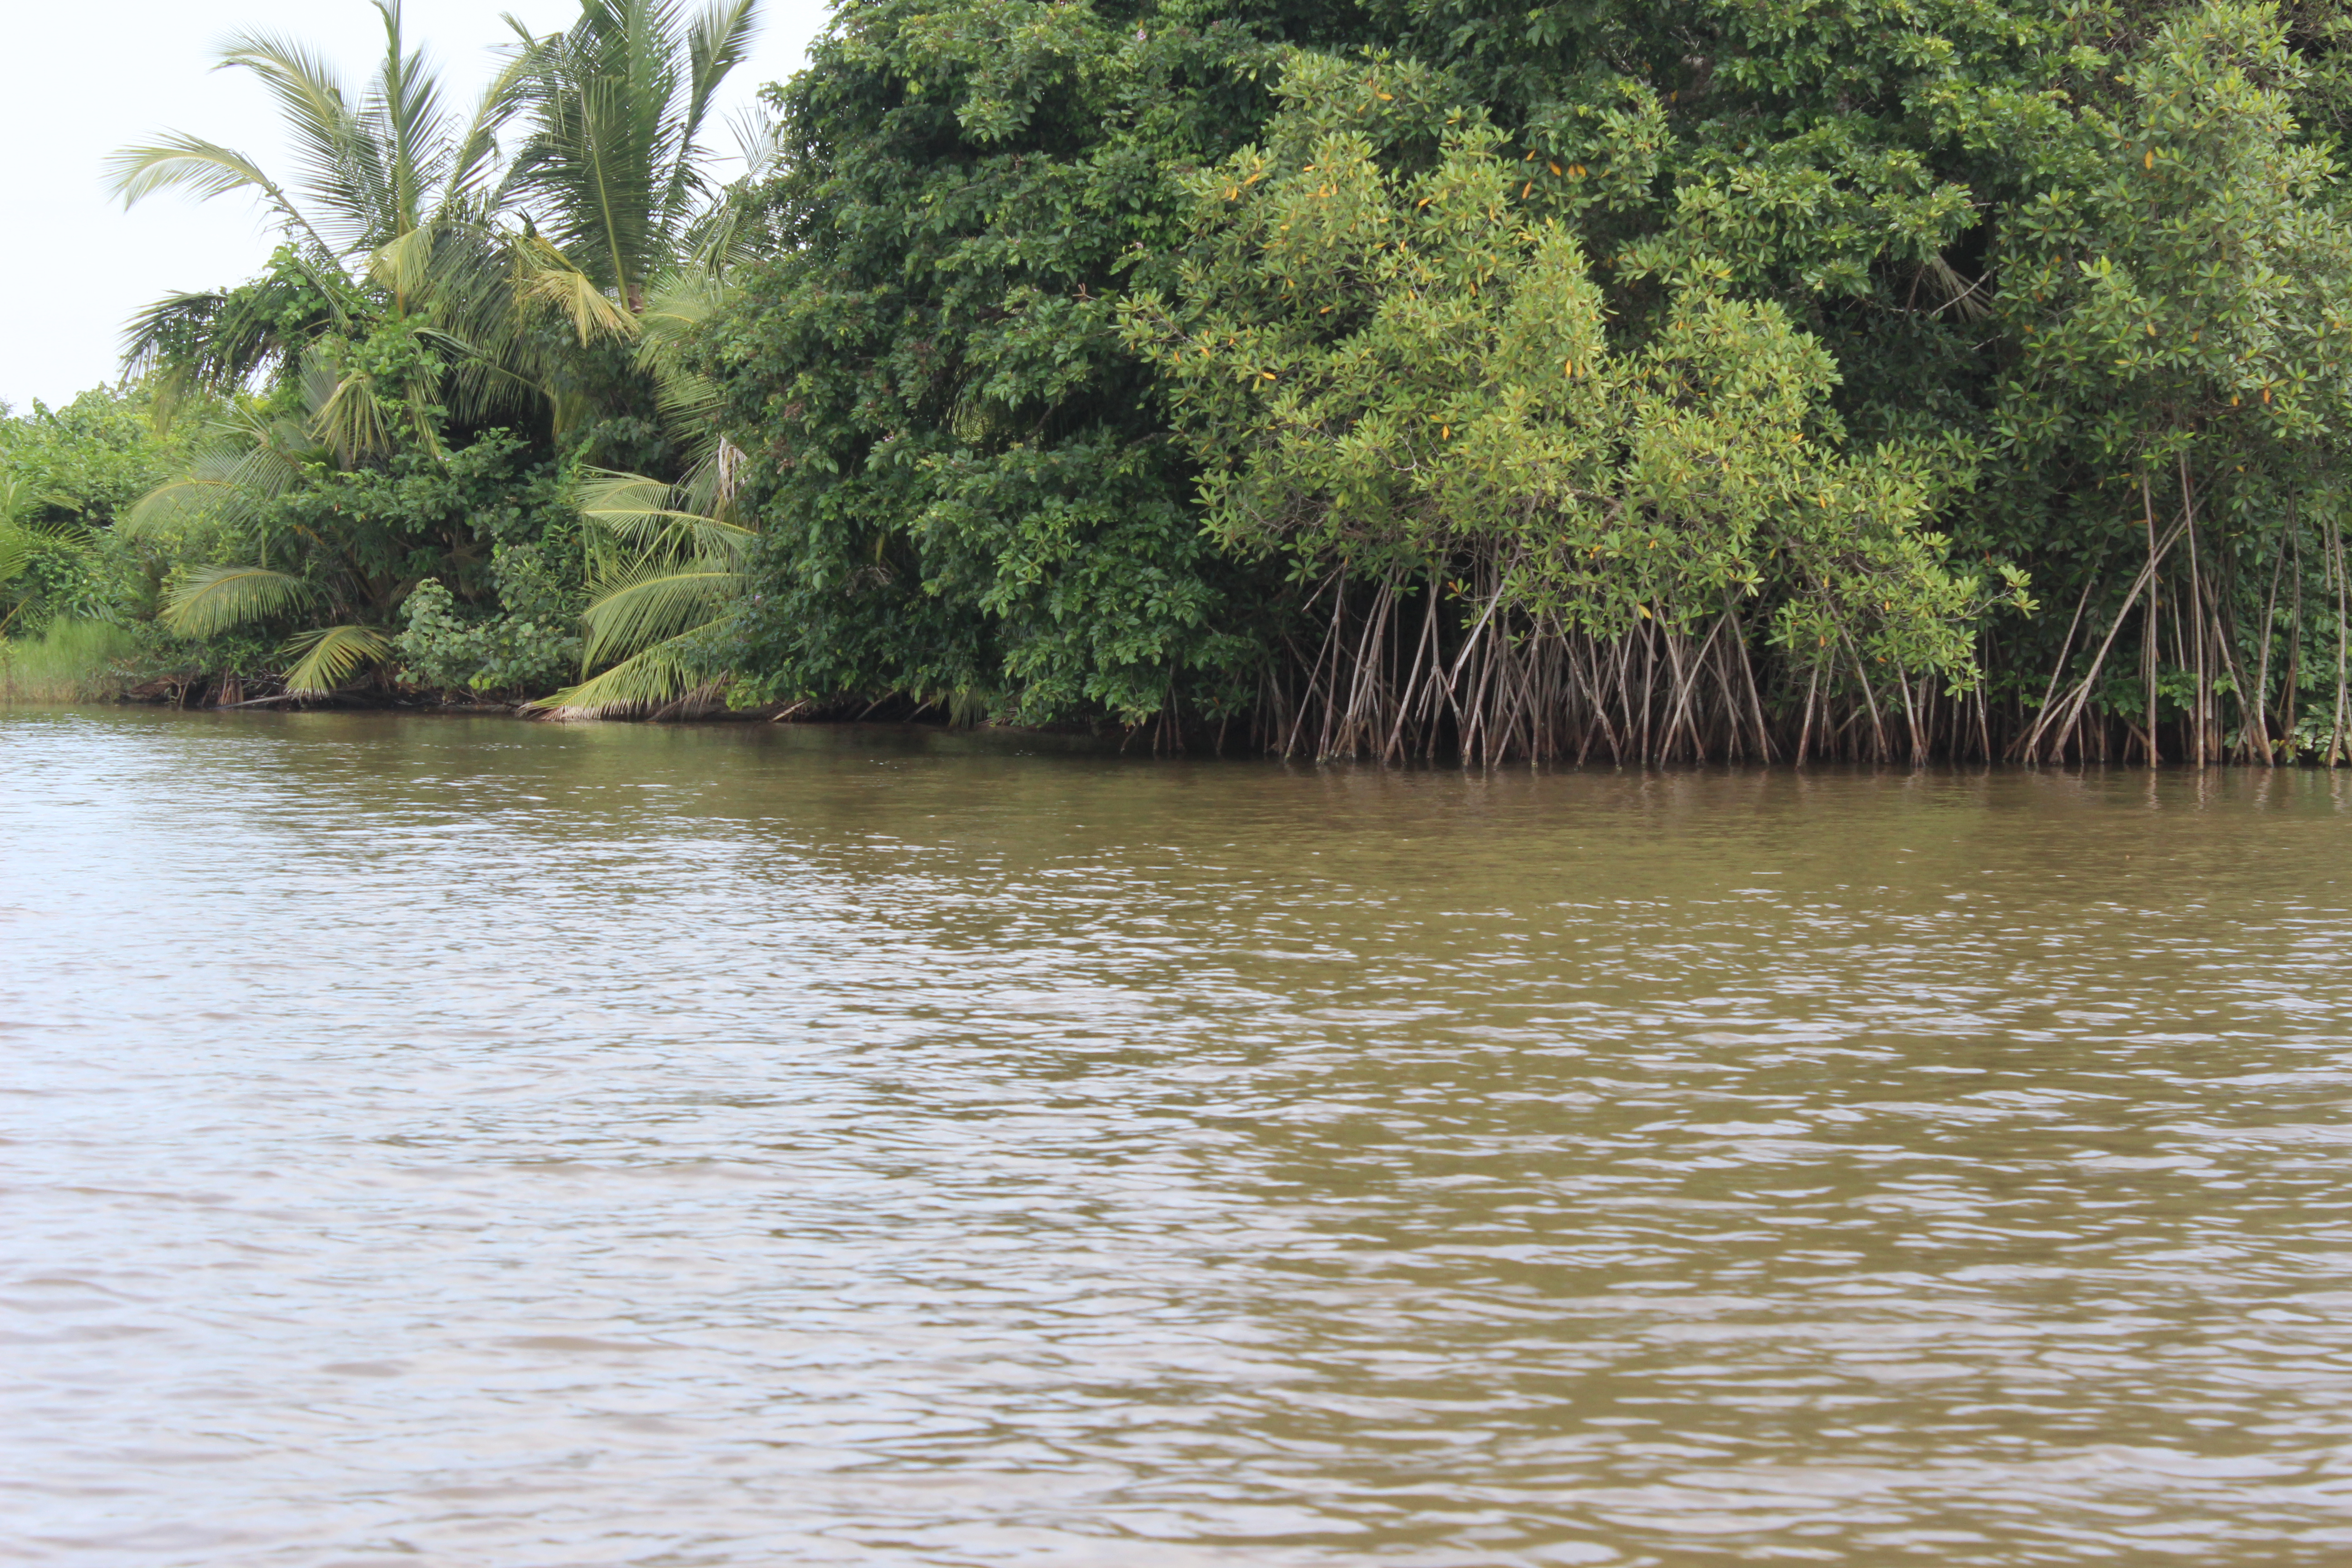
[
  {"x": 216, "y": 599},
  {"x": 324, "y": 657}
]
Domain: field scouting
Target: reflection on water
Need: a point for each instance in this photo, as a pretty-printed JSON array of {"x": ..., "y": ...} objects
[{"x": 471, "y": 1142}]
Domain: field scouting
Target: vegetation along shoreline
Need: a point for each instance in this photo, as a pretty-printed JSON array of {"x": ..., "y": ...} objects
[{"x": 1397, "y": 379}]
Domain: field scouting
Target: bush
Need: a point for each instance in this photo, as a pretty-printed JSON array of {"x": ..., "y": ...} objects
[{"x": 530, "y": 650}]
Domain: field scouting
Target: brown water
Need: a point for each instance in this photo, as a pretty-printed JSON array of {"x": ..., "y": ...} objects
[{"x": 477, "y": 1143}]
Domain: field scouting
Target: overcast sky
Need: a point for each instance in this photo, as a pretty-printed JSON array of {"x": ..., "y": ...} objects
[{"x": 84, "y": 77}]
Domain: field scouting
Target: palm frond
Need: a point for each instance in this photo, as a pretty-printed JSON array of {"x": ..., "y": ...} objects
[
  {"x": 205, "y": 168},
  {"x": 217, "y": 598},
  {"x": 16, "y": 498},
  {"x": 653, "y": 676},
  {"x": 341, "y": 167},
  {"x": 351, "y": 417},
  {"x": 501, "y": 382},
  {"x": 680, "y": 301},
  {"x": 162, "y": 342},
  {"x": 759, "y": 133},
  {"x": 718, "y": 40},
  {"x": 404, "y": 111},
  {"x": 654, "y": 517},
  {"x": 677, "y": 307},
  {"x": 75, "y": 531},
  {"x": 546, "y": 277},
  {"x": 686, "y": 568},
  {"x": 595, "y": 167},
  {"x": 16, "y": 553},
  {"x": 19, "y": 501},
  {"x": 325, "y": 658},
  {"x": 653, "y": 601},
  {"x": 184, "y": 500},
  {"x": 474, "y": 154},
  {"x": 220, "y": 342},
  {"x": 243, "y": 463},
  {"x": 614, "y": 166},
  {"x": 404, "y": 263},
  {"x": 459, "y": 273}
]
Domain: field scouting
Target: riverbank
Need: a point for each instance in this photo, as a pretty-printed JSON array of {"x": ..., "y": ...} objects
[{"x": 93, "y": 662}]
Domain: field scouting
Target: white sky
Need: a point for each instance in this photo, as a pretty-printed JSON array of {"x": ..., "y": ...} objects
[{"x": 83, "y": 79}]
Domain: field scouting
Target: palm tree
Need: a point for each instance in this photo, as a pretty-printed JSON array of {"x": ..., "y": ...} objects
[
  {"x": 405, "y": 227},
  {"x": 629, "y": 238},
  {"x": 395, "y": 198},
  {"x": 615, "y": 172},
  {"x": 393, "y": 206}
]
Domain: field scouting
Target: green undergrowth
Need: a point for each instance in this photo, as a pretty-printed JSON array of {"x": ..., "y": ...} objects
[{"x": 72, "y": 661}]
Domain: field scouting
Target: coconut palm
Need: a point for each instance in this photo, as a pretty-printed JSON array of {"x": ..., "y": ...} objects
[
  {"x": 391, "y": 207},
  {"x": 615, "y": 172},
  {"x": 423, "y": 276},
  {"x": 371, "y": 171},
  {"x": 631, "y": 237},
  {"x": 396, "y": 204}
]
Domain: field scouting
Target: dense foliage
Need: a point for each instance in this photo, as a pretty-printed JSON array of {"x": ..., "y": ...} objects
[
  {"x": 1389, "y": 377},
  {"x": 69, "y": 476},
  {"x": 970, "y": 499},
  {"x": 1728, "y": 373},
  {"x": 1392, "y": 372},
  {"x": 379, "y": 439}
]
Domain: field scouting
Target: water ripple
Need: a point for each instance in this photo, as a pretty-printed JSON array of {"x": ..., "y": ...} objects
[{"x": 456, "y": 1141}]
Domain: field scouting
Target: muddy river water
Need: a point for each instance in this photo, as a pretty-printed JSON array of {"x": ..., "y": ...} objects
[{"x": 461, "y": 1141}]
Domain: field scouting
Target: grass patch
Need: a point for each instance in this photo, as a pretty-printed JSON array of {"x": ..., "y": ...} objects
[{"x": 73, "y": 661}]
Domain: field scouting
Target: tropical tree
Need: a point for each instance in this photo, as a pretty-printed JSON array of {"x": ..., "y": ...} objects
[
  {"x": 69, "y": 476},
  {"x": 969, "y": 495},
  {"x": 1399, "y": 377},
  {"x": 627, "y": 235},
  {"x": 2181, "y": 294},
  {"x": 435, "y": 285},
  {"x": 615, "y": 171},
  {"x": 277, "y": 539},
  {"x": 398, "y": 207},
  {"x": 2031, "y": 251},
  {"x": 390, "y": 210}
]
